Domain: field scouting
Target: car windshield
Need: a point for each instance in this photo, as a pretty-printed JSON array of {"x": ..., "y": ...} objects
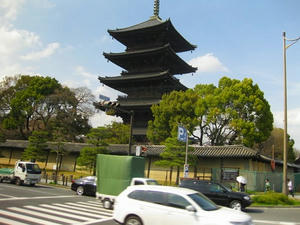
[
  {"x": 33, "y": 168},
  {"x": 152, "y": 182},
  {"x": 203, "y": 202},
  {"x": 226, "y": 188}
]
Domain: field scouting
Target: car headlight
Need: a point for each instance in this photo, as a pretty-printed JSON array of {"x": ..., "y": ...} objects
[{"x": 246, "y": 198}]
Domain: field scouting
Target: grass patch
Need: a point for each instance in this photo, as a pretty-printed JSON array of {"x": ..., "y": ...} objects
[{"x": 272, "y": 199}]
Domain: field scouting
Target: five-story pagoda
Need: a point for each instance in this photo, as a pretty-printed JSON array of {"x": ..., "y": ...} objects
[{"x": 150, "y": 63}]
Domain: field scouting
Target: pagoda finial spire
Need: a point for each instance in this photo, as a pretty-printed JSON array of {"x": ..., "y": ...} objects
[{"x": 156, "y": 8}]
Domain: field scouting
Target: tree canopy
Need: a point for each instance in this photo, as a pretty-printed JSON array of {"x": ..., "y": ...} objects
[
  {"x": 37, "y": 147},
  {"x": 235, "y": 112},
  {"x": 275, "y": 141},
  {"x": 30, "y": 103}
]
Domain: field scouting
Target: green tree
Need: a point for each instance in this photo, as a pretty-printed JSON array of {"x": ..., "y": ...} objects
[
  {"x": 30, "y": 103},
  {"x": 97, "y": 138},
  {"x": 235, "y": 112},
  {"x": 37, "y": 147},
  {"x": 174, "y": 156},
  {"x": 59, "y": 137},
  {"x": 175, "y": 108},
  {"x": 276, "y": 141},
  {"x": 118, "y": 133},
  {"x": 29, "y": 91}
]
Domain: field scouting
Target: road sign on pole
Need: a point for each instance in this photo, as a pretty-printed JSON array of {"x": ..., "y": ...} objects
[
  {"x": 186, "y": 171},
  {"x": 182, "y": 134}
]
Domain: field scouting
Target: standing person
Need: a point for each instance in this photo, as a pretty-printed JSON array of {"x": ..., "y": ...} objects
[
  {"x": 242, "y": 187},
  {"x": 267, "y": 185},
  {"x": 290, "y": 187}
]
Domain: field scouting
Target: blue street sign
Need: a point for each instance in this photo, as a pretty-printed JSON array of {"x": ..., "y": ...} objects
[{"x": 182, "y": 134}]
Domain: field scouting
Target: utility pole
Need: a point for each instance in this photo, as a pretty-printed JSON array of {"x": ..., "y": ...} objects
[
  {"x": 285, "y": 139},
  {"x": 284, "y": 183}
]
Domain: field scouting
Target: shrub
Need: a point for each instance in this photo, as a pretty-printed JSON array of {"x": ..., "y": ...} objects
[{"x": 272, "y": 198}]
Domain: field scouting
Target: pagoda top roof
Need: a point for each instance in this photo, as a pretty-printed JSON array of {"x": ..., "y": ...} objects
[{"x": 154, "y": 24}]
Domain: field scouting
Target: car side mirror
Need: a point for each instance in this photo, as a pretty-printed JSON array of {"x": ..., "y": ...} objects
[
  {"x": 23, "y": 169},
  {"x": 190, "y": 208}
]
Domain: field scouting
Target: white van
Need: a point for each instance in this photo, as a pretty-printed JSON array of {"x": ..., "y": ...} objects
[{"x": 157, "y": 205}]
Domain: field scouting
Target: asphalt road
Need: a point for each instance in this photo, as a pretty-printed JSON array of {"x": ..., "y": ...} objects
[{"x": 47, "y": 205}]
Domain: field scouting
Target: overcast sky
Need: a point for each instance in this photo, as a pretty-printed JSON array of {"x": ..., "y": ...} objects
[{"x": 65, "y": 39}]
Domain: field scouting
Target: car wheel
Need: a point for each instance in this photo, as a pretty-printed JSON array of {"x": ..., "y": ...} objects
[
  {"x": 80, "y": 190},
  {"x": 19, "y": 182},
  {"x": 107, "y": 204},
  {"x": 133, "y": 220},
  {"x": 236, "y": 205}
]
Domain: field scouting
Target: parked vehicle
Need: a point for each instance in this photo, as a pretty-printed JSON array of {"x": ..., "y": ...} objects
[
  {"x": 157, "y": 205},
  {"x": 115, "y": 173},
  {"x": 85, "y": 185},
  {"x": 23, "y": 173},
  {"x": 218, "y": 193}
]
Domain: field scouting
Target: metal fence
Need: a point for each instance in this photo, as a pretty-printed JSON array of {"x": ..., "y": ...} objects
[{"x": 256, "y": 180}]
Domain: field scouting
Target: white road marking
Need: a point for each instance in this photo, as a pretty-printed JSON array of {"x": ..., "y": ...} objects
[
  {"x": 86, "y": 206},
  {"x": 34, "y": 189},
  {"x": 47, "y": 216},
  {"x": 9, "y": 221},
  {"x": 56, "y": 207},
  {"x": 275, "y": 222},
  {"x": 27, "y": 218},
  {"x": 9, "y": 196},
  {"x": 57, "y": 212},
  {"x": 39, "y": 197},
  {"x": 96, "y": 221},
  {"x": 80, "y": 208}
]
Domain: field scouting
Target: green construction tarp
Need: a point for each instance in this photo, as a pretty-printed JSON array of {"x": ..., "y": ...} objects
[
  {"x": 6, "y": 171},
  {"x": 114, "y": 173}
]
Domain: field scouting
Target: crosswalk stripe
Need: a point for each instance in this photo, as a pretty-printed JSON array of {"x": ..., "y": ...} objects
[
  {"x": 9, "y": 221},
  {"x": 56, "y": 212},
  {"x": 92, "y": 203},
  {"x": 27, "y": 218},
  {"x": 57, "y": 207},
  {"x": 100, "y": 207},
  {"x": 47, "y": 216},
  {"x": 79, "y": 204},
  {"x": 85, "y": 210},
  {"x": 98, "y": 202}
]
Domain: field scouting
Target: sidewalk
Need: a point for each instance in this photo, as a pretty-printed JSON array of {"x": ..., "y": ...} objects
[{"x": 59, "y": 182}]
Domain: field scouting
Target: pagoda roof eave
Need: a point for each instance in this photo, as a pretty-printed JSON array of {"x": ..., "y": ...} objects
[
  {"x": 152, "y": 22},
  {"x": 150, "y": 25},
  {"x": 135, "y": 77},
  {"x": 119, "y": 82},
  {"x": 116, "y": 57}
]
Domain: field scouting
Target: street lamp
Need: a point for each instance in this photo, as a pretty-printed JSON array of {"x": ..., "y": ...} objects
[{"x": 285, "y": 141}]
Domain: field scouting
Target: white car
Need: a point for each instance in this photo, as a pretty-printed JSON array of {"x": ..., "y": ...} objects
[{"x": 163, "y": 205}]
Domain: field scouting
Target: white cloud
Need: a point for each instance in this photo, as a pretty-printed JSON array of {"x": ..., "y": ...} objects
[
  {"x": 208, "y": 63},
  {"x": 101, "y": 119},
  {"x": 9, "y": 9},
  {"x": 48, "y": 51},
  {"x": 18, "y": 46},
  {"x": 13, "y": 40},
  {"x": 82, "y": 71}
]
